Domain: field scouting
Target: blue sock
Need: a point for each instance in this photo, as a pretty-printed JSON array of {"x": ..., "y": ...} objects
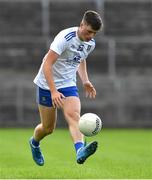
[
  {"x": 78, "y": 145},
  {"x": 35, "y": 143}
]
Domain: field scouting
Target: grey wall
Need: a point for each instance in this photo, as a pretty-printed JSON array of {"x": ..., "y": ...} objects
[{"x": 120, "y": 66}]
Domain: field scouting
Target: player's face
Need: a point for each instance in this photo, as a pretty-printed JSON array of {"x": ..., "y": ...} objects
[{"x": 86, "y": 33}]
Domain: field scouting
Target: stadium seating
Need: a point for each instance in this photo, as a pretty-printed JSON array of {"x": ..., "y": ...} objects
[{"x": 120, "y": 66}]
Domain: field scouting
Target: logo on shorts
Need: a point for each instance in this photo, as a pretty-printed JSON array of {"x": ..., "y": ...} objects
[{"x": 43, "y": 98}]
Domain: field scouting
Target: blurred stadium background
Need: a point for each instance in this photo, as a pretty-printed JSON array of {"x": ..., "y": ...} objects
[{"x": 120, "y": 67}]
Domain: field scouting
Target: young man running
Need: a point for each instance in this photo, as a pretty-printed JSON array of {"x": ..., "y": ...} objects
[{"x": 56, "y": 84}]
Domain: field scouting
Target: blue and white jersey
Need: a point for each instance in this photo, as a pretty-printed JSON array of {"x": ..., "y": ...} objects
[{"x": 71, "y": 51}]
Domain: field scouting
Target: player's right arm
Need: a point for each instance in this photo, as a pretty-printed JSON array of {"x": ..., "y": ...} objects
[
  {"x": 57, "y": 97},
  {"x": 57, "y": 47}
]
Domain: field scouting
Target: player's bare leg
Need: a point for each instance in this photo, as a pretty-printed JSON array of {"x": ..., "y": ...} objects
[
  {"x": 46, "y": 127},
  {"x": 48, "y": 122},
  {"x": 71, "y": 111}
]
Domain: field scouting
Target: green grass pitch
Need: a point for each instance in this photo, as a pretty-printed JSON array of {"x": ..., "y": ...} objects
[{"x": 122, "y": 154}]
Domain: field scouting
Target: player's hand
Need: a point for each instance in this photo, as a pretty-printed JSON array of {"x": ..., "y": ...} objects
[
  {"x": 89, "y": 89},
  {"x": 57, "y": 99}
]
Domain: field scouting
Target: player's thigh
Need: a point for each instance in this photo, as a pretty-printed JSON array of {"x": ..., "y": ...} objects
[
  {"x": 72, "y": 108},
  {"x": 48, "y": 116}
]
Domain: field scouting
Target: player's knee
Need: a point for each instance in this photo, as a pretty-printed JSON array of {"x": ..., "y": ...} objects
[
  {"x": 48, "y": 130},
  {"x": 72, "y": 116}
]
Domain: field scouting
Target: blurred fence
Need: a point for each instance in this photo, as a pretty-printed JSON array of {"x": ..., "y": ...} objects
[{"x": 120, "y": 67}]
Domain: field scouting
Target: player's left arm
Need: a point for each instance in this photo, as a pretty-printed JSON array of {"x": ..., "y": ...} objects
[{"x": 88, "y": 86}]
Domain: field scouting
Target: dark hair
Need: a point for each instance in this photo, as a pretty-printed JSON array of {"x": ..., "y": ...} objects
[{"x": 93, "y": 19}]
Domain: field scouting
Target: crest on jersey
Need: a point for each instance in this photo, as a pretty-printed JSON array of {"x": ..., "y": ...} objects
[{"x": 89, "y": 47}]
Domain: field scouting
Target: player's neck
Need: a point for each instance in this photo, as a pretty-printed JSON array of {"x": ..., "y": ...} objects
[{"x": 79, "y": 34}]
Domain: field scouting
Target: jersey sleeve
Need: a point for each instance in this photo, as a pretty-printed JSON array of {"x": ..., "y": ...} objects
[{"x": 59, "y": 44}]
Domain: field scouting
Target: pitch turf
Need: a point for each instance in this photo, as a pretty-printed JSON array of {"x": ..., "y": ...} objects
[{"x": 121, "y": 154}]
